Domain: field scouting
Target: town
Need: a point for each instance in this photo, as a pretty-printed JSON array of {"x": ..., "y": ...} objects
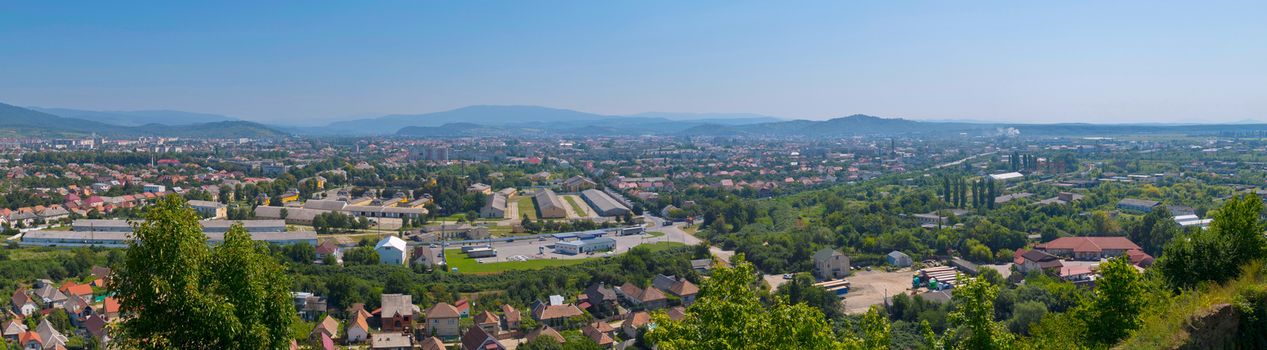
[{"x": 884, "y": 223}]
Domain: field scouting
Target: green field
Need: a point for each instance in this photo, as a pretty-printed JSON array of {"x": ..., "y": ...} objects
[
  {"x": 575, "y": 207},
  {"x": 455, "y": 258},
  {"x": 654, "y": 234},
  {"x": 527, "y": 208}
]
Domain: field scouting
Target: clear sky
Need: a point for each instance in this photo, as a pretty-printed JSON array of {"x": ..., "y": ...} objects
[{"x": 287, "y": 61}]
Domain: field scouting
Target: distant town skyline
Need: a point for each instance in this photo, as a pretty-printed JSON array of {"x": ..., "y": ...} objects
[{"x": 1098, "y": 62}]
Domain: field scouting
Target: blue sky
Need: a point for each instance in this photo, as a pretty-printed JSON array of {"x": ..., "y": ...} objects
[{"x": 306, "y": 61}]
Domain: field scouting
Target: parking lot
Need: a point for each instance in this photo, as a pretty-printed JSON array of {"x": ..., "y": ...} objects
[{"x": 539, "y": 249}]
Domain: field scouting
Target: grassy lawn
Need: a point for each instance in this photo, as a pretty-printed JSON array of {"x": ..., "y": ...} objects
[
  {"x": 654, "y": 234},
  {"x": 527, "y": 208},
  {"x": 455, "y": 258},
  {"x": 575, "y": 207},
  {"x": 499, "y": 231}
]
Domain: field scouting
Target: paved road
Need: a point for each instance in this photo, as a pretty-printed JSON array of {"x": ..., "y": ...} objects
[{"x": 676, "y": 234}]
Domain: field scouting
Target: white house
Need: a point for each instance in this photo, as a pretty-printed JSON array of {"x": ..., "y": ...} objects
[{"x": 391, "y": 250}]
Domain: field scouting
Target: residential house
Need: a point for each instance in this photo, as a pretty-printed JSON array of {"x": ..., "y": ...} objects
[
  {"x": 358, "y": 330},
  {"x": 96, "y": 327},
  {"x": 642, "y": 299},
  {"x": 13, "y": 328},
  {"x": 391, "y": 251},
  {"x": 602, "y": 299},
  {"x": 328, "y": 327},
  {"x": 558, "y": 316},
  {"x": 510, "y": 317},
  {"x": 22, "y": 303},
  {"x": 634, "y": 322},
  {"x": 396, "y": 313},
  {"x": 1036, "y": 260},
  {"x": 330, "y": 248},
  {"x": 391, "y": 341},
  {"x": 432, "y": 343},
  {"x": 684, "y": 290},
  {"x": 546, "y": 331},
  {"x": 830, "y": 264},
  {"x": 426, "y": 257},
  {"x": 601, "y": 336},
  {"x": 50, "y": 296},
  {"x": 442, "y": 320},
  {"x": 489, "y": 322},
  {"x": 30, "y": 340},
  {"x": 477, "y": 338},
  {"x": 52, "y": 338}
]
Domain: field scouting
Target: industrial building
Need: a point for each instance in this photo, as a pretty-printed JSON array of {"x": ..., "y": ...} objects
[
  {"x": 603, "y": 204},
  {"x": 495, "y": 208},
  {"x": 550, "y": 205},
  {"x": 597, "y": 244},
  {"x": 208, "y": 226},
  {"x": 121, "y": 239}
]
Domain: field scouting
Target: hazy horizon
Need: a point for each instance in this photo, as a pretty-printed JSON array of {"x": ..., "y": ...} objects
[{"x": 1122, "y": 62}]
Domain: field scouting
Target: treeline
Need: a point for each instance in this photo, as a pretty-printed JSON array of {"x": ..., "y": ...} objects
[{"x": 364, "y": 283}]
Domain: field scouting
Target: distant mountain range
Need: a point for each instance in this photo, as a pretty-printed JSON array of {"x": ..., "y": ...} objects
[
  {"x": 24, "y": 122},
  {"x": 137, "y": 118},
  {"x": 494, "y": 120}
]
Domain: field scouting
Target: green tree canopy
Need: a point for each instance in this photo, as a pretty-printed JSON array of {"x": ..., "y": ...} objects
[
  {"x": 729, "y": 315},
  {"x": 178, "y": 293}
]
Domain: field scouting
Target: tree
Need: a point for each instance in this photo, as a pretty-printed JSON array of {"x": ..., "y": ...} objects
[
  {"x": 729, "y": 315},
  {"x": 361, "y": 256},
  {"x": 176, "y": 293},
  {"x": 1217, "y": 253},
  {"x": 1025, "y": 315},
  {"x": 1154, "y": 230},
  {"x": 1114, "y": 309},
  {"x": 975, "y": 314},
  {"x": 256, "y": 287}
]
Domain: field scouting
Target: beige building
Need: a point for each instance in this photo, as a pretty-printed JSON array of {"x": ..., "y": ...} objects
[{"x": 830, "y": 264}]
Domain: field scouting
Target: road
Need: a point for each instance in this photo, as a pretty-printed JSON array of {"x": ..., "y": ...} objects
[{"x": 675, "y": 233}]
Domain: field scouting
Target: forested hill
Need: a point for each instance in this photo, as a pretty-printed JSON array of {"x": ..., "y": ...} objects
[
  {"x": 859, "y": 125},
  {"x": 23, "y": 122}
]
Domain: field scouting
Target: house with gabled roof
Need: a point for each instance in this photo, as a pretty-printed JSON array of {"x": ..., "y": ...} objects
[
  {"x": 396, "y": 313},
  {"x": 650, "y": 298},
  {"x": 442, "y": 320},
  {"x": 12, "y": 329},
  {"x": 489, "y": 322},
  {"x": 328, "y": 327},
  {"x": 358, "y": 330},
  {"x": 22, "y": 303},
  {"x": 558, "y": 316},
  {"x": 477, "y": 338},
  {"x": 546, "y": 331},
  {"x": 510, "y": 317},
  {"x": 679, "y": 287}
]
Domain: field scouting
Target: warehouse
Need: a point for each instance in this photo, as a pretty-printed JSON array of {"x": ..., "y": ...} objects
[
  {"x": 603, "y": 204},
  {"x": 121, "y": 239},
  {"x": 549, "y": 205},
  {"x": 585, "y": 246},
  {"x": 209, "y": 226},
  {"x": 495, "y": 208}
]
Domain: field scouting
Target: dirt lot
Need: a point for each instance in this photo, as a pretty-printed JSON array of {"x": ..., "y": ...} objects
[{"x": 870, "y": 287}]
